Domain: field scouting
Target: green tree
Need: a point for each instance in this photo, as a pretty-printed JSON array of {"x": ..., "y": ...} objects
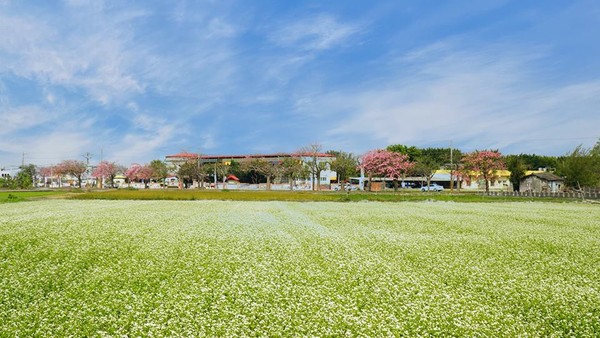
[
  {"x": 596, "y": 149},
  {"x": 159, "y": 171},
  {"x": 534, "y": 161},
  {"x": 190, "y": 171},
  {"x": 516, "y": 165},
  {"x": 26, "y": 176},
  {"x": 269, "y": 169},
  {"x": 7, "y": 183},
  {"x": 411, "y": 151},
  {"x": 293, "y": 168},
  {"x": 580, "y": 167},
  {"x": 428, "y": 162},
  {"x": 345, "y": 165}
]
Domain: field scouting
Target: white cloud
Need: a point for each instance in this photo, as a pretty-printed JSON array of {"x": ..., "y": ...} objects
[
  {"x": 49, "y": 148},
  {"x": 315, "y": 33},
  {"x": 95, "y": 58},
  {"x": 137, "y": 147},
  {"x": 14, "y": 119},
  {"x": 479, "y": 99},
  {"x": 208, "y": 141}
]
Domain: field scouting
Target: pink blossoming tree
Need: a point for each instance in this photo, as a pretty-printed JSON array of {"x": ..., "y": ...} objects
[
  {"x": 72, "y": 167},
  {"x": 139, "y": 172},
  {"x": 484, "y": 164},
  {"x": 387, "y": 164},
  {"x": 108, "y": 170}
]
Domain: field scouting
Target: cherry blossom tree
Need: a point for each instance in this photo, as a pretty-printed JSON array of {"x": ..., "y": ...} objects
[
  {"x": 138, "y": 172},
  {"x": 47, "y": 172},
  {"x": 144, "y": 174},
  {"x": 484, "y": 164},
  {"x": 108, "y": 170},
  {"x": 72, "y": 167},
  {"x": 385, "y": 163},
  {"x": 132, "y": 171}
]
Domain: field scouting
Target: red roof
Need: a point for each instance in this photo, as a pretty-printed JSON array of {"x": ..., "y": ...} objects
[
  {"x": 183, "y": 155},
  {"x": 232, "y": 178}
]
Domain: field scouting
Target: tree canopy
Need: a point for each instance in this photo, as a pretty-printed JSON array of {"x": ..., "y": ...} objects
[
  {"x": 345, "y": 165},
  {"x": 72, "y": 167},
  {"x": 581, "y": 167},
  {"x": 386, "y": 163},
  {"x": 484, "y": 164}
]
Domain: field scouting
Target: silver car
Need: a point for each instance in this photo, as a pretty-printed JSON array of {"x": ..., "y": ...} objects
[{"x": 432, "y": 187}]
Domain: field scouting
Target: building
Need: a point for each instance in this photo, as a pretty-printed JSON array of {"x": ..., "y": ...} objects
[
  {"x": 501, "y": 182},
  {"x": 542, "y": 182},
  {"x": 7, "y": 173},
  {"x": 325, "y": 179}
]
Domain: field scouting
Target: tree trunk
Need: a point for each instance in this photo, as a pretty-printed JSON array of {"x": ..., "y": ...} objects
[
  {"x": 395, "y": 185},
  {"x": 291, "y": 179},
  {"x": 370, "y": 182},
  {"x": 268, "y": 183}
]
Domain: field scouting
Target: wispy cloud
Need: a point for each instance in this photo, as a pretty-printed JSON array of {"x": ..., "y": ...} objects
[
  {"x": 143, "y": 79},
  {"x": 137, "y": 146},
  {"x": 314, "y": 33},
  {"x": 490, "y": 98},
  {"x": 96, "y": 65},
  {"x": 14, "y": 119},
  {"x": 49, "y": 148},
  {"x": 97, "y": 61}
]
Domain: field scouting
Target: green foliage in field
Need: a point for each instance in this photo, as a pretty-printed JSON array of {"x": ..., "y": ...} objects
[
  {"x": 228, "y": 268},
  {"x": 18, "y": 196},
  {"x": 298, "y": 196},
  {"x": 191, "y": 194}
]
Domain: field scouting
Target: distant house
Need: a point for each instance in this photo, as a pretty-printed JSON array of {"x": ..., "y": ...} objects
[
  {"x": 8, "y": 173},
  {"x": 542, "y": 182},
  {"x": 232, "y": 179}
]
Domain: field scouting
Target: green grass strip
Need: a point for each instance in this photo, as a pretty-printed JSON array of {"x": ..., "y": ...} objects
[{"x": 303, "y": 196}]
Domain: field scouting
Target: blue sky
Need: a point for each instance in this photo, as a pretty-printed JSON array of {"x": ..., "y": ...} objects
[{"x": 137, "y": 80}]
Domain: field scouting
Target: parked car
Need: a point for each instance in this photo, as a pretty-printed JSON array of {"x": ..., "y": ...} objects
[
  {"x": 432, "y": 187},
  {"x": 347, "y": 187}
]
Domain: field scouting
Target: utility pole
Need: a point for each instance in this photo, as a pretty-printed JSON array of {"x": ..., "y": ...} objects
[
  {"x": 23, "y": 160},
  {"x": 88, "y": 157},
  {"x": 198, "y": 175},
  {"x": 100, "y": 184},
  {"x": 216, "y": 184},
  {"x": 451, "y": 168}
]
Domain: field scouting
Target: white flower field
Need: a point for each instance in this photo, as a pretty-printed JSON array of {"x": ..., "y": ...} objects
[{"x": 217, "y": 268}]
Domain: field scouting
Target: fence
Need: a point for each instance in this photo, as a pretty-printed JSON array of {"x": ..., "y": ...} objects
[{"x": 570, "y": 194}]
